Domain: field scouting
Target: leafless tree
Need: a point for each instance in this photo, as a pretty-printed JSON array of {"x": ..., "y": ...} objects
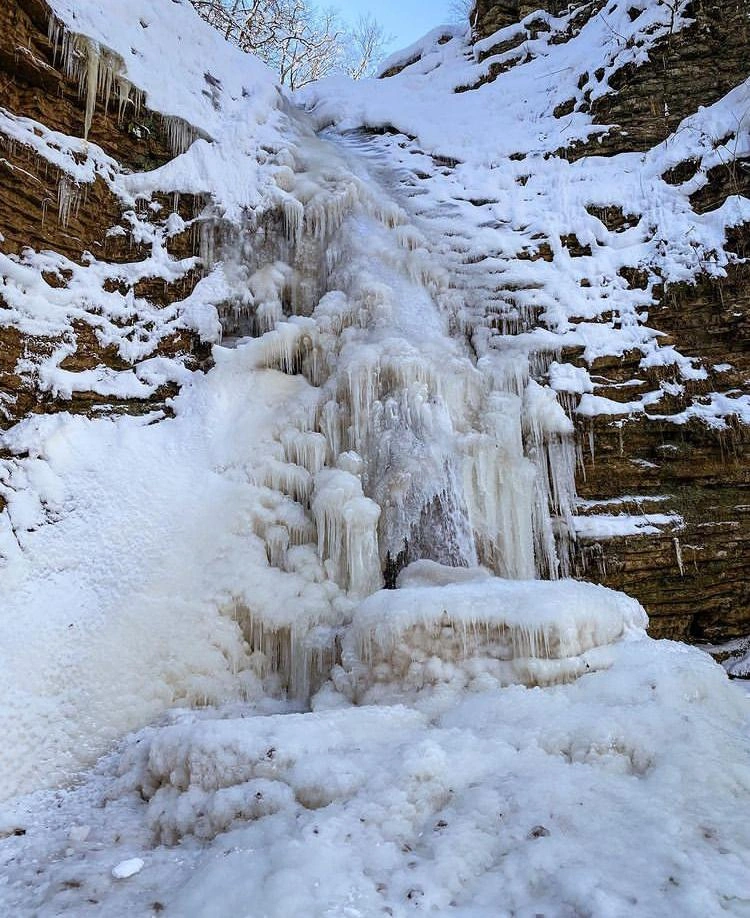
[
  {"x": 298, "y": 41},
  {"x": 366, "y": 46}
]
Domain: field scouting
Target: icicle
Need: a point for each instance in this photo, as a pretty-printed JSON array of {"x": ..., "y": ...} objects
[
  {"x": 331, "y": 426},
  {"x": 293, "y": 215},
  {"x": 91, "y": 82},
  {"x": 298, "y": 659},
  {"x": 347, "y": 531},
  {"x": 305, "y": 448},
  {"x": 68, "y": 198},
  {"x": 284, "y": 347},
  {"x": 289, "y": 479},
  {"x": 325, "y": 212},
  {"x": 180, "y": 134},
  {"x": 499, "y": 484},
  {"x": 678, "y": 555},
  {"x": 277, "y": 543}
]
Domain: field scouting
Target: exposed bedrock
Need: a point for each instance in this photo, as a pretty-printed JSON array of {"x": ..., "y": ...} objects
[{"x": 45, "y": 208}]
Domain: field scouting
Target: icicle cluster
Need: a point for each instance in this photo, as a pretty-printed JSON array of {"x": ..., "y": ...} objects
[
  {"x": 100, "y": 74},
  {"x": 409, "y": 448}
]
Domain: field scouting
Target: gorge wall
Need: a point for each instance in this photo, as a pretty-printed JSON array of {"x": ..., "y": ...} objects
[
  {"x": 53, "y": 200},
  {"x": 694, "y": 582},
  {"x": 635, "y": 460}
]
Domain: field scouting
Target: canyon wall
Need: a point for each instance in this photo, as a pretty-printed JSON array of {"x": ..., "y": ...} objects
[
  {"x": 46, "y": 207},
  {"x": 692, "y": 578},
  {"x": 694, "y": 582}
]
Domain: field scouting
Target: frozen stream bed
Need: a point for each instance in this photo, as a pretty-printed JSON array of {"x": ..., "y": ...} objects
[{"x": 622, "y": 792}]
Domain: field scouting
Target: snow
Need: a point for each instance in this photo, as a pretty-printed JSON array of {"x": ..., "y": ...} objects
[
  {"x": 126, "y": 869},
  {"x": 735, "y": 658},
  {"x": 166, "y": 39},
  {"x": 136, "y": 529},
  {"x": 525, "y": 800},
  {"x": 617, "y": 525},
  {"x": 460, "y": 630},
  {"x": 501, "y": 208},
  {"x": 516, "y": 117},
  {"x": 209, "y": 574}
]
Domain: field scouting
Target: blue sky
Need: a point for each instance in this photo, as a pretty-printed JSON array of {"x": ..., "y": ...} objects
[{"x": 407, "y": 20}]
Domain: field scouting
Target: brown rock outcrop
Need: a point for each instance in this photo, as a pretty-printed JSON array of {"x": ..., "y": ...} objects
[
  {"x": 694, "y": 579},
  {"x": 43, "y": 209},
  {"x": 694, "y": 66},
  {"x": 491, "y": 15}
]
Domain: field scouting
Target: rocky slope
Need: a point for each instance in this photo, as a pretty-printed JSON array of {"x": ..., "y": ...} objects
[
  {"x": 100, "y": 354},
  {"x": 57, "y": 198},
  {"x": 694, "y": 582}
]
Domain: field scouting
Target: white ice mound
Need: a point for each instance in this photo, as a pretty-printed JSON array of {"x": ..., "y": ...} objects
[
  {"x": 202, "y": 779},
  {"x": 463, "y": 626}
]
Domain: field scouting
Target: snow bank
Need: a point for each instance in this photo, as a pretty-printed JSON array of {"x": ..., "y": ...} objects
[
  {"x": 135, "y": 542},
  {"x": 625, "y": 791},
  {"x": 184, "y": 67},
  {"x": 515, "y": 110}
]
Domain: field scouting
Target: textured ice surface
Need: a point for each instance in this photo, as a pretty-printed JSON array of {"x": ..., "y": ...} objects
[
  {"x": 448, "y": 630},
  {"x": 624, "y": 792}
]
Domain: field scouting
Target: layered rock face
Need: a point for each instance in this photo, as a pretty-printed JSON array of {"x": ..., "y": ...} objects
[
  {"x": 56, "y": 198},
  {"x": 488, "y": 16},
  {"x": 686, "y": 68},
  {"x": 635, "y": 458},
  {"x": 693, "y": 582}
]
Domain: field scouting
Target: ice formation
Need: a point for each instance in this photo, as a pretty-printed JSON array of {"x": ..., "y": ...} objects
[
  {"x": 386, "y": 406},
  {"x": 460, "y": 628}
]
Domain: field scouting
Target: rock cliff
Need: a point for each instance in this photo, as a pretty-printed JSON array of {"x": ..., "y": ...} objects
[
  {"x": 681, "y": 458},
  {"x": 55, "y": 199},
  {"x": 694, "y": 582}
]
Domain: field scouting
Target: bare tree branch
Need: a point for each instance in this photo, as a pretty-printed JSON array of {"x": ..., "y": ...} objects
[{"x": 296, "y": 39}]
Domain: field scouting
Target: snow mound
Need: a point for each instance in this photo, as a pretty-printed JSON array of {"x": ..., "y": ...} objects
[
  {"x": 137, "y": 546},
  {"x": 624, "y": 792},
  {"x": 231, "y": 771},
  {"x": 432, "y": 635}
]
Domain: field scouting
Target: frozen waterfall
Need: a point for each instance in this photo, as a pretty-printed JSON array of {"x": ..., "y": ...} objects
[{"x": 417, "y": 446}]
